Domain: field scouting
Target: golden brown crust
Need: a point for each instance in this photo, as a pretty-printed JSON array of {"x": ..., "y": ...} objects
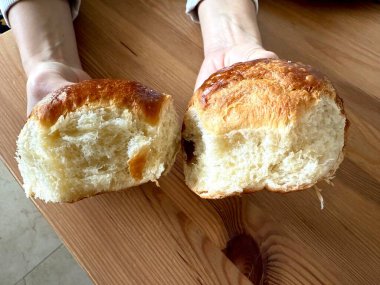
[
  {"x": 132, "y": 95},
  {"x": 265, "y": 92}
]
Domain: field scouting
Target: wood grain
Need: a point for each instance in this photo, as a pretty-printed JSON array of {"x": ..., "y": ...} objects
[
  {"x": 147, "y": 235},
  {"x": 137, "y": 236}
]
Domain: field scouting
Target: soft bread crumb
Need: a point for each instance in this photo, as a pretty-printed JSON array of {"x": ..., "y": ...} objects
[
  {"x": 280, "y": 159},
  {"x": 93, "y": 150}
]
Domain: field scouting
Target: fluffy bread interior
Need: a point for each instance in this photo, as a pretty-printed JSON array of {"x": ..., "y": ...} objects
[
  {"x": 93, "y": 150},
  {"x": 286, "y": 158}
]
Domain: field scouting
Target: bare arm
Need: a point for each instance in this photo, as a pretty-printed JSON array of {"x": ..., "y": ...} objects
[
  {"x": 45, "y": 36},
  {"x": 230, "y": 34}
]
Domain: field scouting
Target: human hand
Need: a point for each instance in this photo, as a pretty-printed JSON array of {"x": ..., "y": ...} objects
[
  {"x": 49, "y": 76},
  {"x": 224, "y": 57},
  {"x": 46, "y": 40},
  {"x": 230, "y": 35}
]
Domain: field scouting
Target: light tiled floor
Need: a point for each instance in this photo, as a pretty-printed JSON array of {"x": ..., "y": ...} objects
[{"x": 30, "y": 251}]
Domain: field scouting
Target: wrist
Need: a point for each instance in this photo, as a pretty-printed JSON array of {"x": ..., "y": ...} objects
[
  {"x": 44, "y": 33},
  {"x": 44, "y": 70},
  {"x": 228, "y": 23},
  {"x": 228, "y": 33},
  {"x": 41, "y": 62},
  {"x": 51, "y": 49}
]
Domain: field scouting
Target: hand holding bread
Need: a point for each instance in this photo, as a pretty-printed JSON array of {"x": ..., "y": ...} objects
[{"x": 263, "y": 124}]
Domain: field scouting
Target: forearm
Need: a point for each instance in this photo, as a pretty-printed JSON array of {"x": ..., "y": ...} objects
[
  {"x": 225, "y": 23},
  {"x": 44, "y": 33}
]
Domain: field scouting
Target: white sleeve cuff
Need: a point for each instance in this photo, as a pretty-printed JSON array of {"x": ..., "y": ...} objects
[
  {"x": 5, "y": 5},
  {"x": 192, "y": 8}
]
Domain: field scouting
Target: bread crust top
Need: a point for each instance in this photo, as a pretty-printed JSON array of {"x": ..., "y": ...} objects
[
  {"x": 141, "y": 100},
  {"x": 264, "y": 92}
]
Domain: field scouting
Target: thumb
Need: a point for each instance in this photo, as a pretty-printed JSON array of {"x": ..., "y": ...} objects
[
  {"x": 38, "y": 89},
  {"x": 208, "y": 67}
]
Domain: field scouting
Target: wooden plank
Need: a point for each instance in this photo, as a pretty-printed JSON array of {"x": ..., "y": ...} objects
[
  {"x": 170, "y": 236},
  {"x": 130, "y": 237}
]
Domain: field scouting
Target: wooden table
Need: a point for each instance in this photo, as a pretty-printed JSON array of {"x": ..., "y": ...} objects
[{"x": 148, "y": 235}]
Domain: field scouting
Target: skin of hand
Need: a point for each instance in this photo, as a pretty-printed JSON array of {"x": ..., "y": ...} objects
[
  {"x": 49, "y": 76},
  {"x": 230, "y": 35},
  {"x": 46, "y": 40}
]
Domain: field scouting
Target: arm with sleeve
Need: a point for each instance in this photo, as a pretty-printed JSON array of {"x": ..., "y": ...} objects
[{"x": 6, "y": 5}]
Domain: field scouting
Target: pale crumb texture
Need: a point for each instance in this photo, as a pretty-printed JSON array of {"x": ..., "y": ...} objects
[
  {"x": 283, "y": 158},
  {"x": 94, "y": 150}
]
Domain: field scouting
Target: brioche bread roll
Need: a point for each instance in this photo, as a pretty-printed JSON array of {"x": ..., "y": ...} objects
[
  {"x": 96, "y": 136},
  {"x": 264, "y": 124}
]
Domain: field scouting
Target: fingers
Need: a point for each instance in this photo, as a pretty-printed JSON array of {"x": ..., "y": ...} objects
[
  {"x": 81, "y": 75},
  {"x": 223, "y": 58},
  {"x": 262, "y": 54},
  {"x": 50, "y": 76},
  {"x": 39, "y": 87},
  {"x": 246, "y": 53},
  {"x": 211, "y": 64}
]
